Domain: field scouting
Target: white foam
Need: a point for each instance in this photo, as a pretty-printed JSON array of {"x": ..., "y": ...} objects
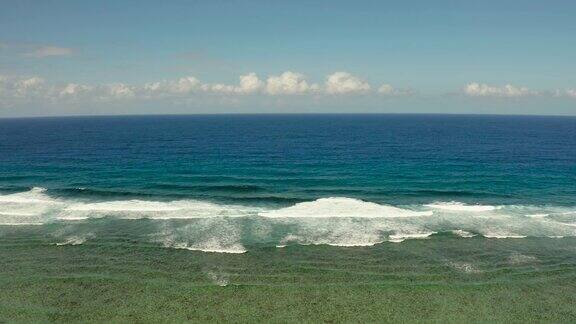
[
  {"x": 401, "y": 237},
  {"x": 73, "y": 240},
  {"x": 538, "y": 215},
  {"x": 72, "y": 218},
  {"x": 16, "y": 214},
  {"x": 463, "y": 233},
  {"x": 519, "y": 259},
  {"x": 235, "y": 249},
  {"x": 218, "y": 278},
  {"x": 178, "y": 209},
  {"x": 217, "y": 235},
  {"x": 464, "y": 267},
  {"x": 340, "y": 207},
  {"x": 503, "y": 236},
  {"x": 461, "y": 207},
  {"x": 27, "y": 208},
  {"x": 336, "y": 221},
  {"x": 35, "y": 195},
  {"x": 335, "y": 236},
  {"x": 126, "y": 206}
]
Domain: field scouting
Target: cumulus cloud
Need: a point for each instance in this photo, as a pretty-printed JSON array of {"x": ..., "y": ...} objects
[
  {"x": 250, "y": 83},
  {"x": 484, "y": 90},
  {"x": 184, "y": 85},
  {"x": 21, "y": 86},
  {"x": 219, "y": 88},
  {"x": 345, "y": 83},
  {"x": 45, "y": 51},
  {"x": 289, "y": 83},
  {"x": 24, "y": 85},
  {"x": 73, "y": 90},
  {"x": 120, "y": 90},
  {"x": 14, "y": 89},
  {"x": 29, "y": 89}
]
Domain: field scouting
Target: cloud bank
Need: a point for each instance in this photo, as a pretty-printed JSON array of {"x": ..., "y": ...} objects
[
  {"x": 15, "y": 89},
  {"x": 288, "y": 83},
  {"x": 484, "y": 90}
]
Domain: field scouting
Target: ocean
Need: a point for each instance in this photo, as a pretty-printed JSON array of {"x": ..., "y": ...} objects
[
  {"x": 356, "y": 218},
  {"x": 222, "y": 183}
]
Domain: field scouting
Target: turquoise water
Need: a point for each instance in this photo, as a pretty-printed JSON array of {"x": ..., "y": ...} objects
[{"x": 234, "y": 183}]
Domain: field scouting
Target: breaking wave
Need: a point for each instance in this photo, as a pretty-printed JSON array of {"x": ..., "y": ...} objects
[
  {"x": 339, "y": 221},
  {"x": 341, "y": 207}
]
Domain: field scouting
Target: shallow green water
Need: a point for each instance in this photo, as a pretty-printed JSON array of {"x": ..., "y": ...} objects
[{"x": 118, "y": 276}]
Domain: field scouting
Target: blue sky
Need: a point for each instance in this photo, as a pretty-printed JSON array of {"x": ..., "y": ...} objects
[{"x": 117, "y": 57}]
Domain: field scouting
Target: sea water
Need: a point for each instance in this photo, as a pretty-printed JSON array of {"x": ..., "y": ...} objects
[{"x": 232, "y": 183}]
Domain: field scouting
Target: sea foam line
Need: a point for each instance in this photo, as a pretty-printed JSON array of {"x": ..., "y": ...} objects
[{"x": 336, "y": 221}]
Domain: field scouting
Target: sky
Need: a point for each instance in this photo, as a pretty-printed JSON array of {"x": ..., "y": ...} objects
[{"x": 161, "y": 57}]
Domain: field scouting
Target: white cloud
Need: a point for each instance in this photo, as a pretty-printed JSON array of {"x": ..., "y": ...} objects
[
  {"x": 120, "y": 90},
  {"x": 73, "y": 89},
  {"x": 152, "y": 86},
  {"x": 184, "y": 85},
  {"x": 219, "y": 88},
  {"x": 34, "y": 88},
  {"x": 289, "y": 83},
  {"x": 45, "y": 51},
  {"x": 32, "y": 83},
  {"x": 484, "y": 90},
  {"x": 23, "y": 87},
  {"x": 250, "y": 83},
  {"x": 345, "y": 83}
]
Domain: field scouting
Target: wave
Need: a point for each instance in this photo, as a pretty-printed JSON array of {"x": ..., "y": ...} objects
[
  {"x": 207, "y": 247},
  {"x": 397, "y": 238},
  {"x": 36, "y": 195},
  {"x": 462, "y": 233},
  {"x": 341, "y": 207},
  {"x": 459, "y": 207},
  {"x": 242, "y": 194},
  {"x": 338, "y": 221}
]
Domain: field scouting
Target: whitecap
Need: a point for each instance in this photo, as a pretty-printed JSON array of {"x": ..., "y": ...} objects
[
  {"x": 538, "y": 215},
  {"x": 341, "y": 207},
  {"x": 177, "y": 209},
  {"x": 461, "y": 207},
  {"x": 27, "y": 208},
  {"x": 36, "y": 195},
  {"x": 503, "y": 236},
  {"x": 401, "y": 237},
  {"x": 463, "y": 233}
]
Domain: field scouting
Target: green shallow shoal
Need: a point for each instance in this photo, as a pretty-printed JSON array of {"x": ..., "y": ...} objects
[{"x": 443, "y": 278}]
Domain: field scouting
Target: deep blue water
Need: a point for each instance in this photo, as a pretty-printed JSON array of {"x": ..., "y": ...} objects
[{"x": 283, "y": 159}]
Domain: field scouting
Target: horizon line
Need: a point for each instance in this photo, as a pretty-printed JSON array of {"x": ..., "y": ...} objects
[{"x": 284, "y": 114}]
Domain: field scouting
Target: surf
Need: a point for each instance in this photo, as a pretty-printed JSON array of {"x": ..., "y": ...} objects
[{"x": 338, "y": 221}]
